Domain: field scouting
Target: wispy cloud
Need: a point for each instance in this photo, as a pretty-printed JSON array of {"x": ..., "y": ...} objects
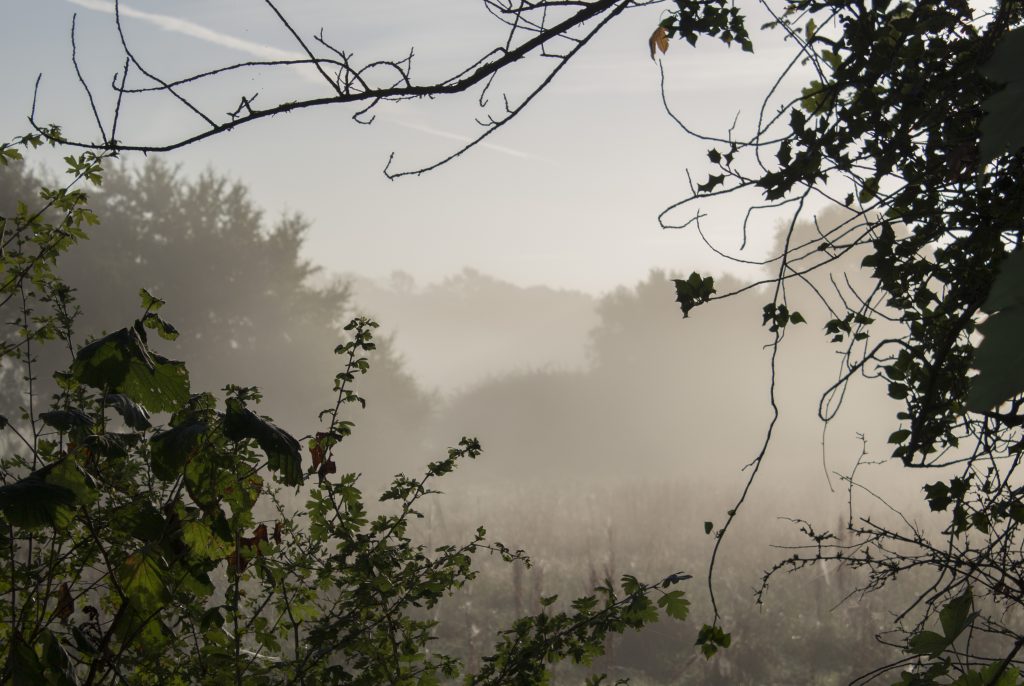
[
  {"x": 511, "y": 152},
  {"x": 193, "y": 30}
]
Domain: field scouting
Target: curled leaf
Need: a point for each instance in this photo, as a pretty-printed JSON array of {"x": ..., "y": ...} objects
[{"x": 658, "y": 41}]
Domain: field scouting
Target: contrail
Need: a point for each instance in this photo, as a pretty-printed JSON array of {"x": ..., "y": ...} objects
[
  {"x": 262, "y": 52},
  {"x": 187, "y": 28},
  {"x": 512, "y": 152}
]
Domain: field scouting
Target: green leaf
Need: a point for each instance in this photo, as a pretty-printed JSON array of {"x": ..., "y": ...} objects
[
  {"x": 134, "y": 415},
  {"x": 23, "y": 667},
  {"x": 927, "y": 643},
  {"x": 710, "y": 638},
  {"x": 898, "y": 436},
  {"x": 956, "y": 615},
  {"x": 163, "y": 328},
  {"x": 1000, "y": 356},
  {"x": 1001, "y": 129},
  {"x": 202, "y": 540},
  {"x": 46, "y": 497},
  {"x": 142, "y": 579},
  {"x": 65, "y": 420},
  {"x": 57, "y": 660},
  {"x": 170, "y": 450},
  {"x": 675, "y": 604},
  {"x": 150, "y": 303},
  {"x": 693, "y": 291},
  {"x": 938, "y": 496},
  {"x": 283, "y": 451},
  {"x": 122, "y": 363},
  {"x": 146, "y": 522}
]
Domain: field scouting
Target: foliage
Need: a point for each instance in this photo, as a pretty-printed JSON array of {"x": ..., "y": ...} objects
[
  {"x": 909, "y": 121},
  {"x": 141, "y": 553},
  {"x": 896, "y": 114},
  {"x": 241, "y": 292}
]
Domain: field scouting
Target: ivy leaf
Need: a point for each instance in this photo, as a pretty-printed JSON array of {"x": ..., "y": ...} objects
[
  {"x": 1001, "y": 129},
  {"x": 1000, "y": 356},
  {"x": 938, "y": 496},
  {"x": 283, "y": 451},
  {"x": 693, "y": 291}
]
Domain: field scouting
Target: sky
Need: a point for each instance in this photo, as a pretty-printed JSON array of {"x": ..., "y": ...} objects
[{"x": 567, "y": 195}]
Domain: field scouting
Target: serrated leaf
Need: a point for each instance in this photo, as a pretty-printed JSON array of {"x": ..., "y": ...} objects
[
  {"x": 171, "y": 449},
  {"x": 122, "y": 363},
  {"x": 134, "y": 415},
  {"x": 202, "y": 540},
  {"x": 65, "y": 420},
  {"x": 150, "y": 303},
  {"x": 282, "y": 450},
  {"x": 675, "y": 604},
  {"x": 162, "y": 328},
  {"x": 46, "y": 497},
  {"x": 142, "y": 579}
]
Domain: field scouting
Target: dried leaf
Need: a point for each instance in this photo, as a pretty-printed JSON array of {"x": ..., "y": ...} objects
[
  {"x": 658, "y": 41},
  {"x": 65, "y": 604}
]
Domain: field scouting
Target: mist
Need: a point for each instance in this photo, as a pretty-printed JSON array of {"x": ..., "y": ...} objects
[{"x": 613, "y": 427}]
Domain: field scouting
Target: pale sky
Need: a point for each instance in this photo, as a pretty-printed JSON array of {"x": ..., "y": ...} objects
[{"x": 568, "y": 195}]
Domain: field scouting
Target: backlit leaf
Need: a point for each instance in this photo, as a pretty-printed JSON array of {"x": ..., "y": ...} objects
[{"x": 658, "y": 41}]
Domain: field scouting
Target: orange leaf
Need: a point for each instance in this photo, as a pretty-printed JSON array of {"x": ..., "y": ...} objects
[{"x": 658, "y": 41}]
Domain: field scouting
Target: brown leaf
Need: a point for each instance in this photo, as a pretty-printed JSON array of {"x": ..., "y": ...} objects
[
  {"x": 277, "y": 533},
  {"x": 237, "y": 562},
  {"x": 317, "y": 450},
  {"x": 658, "y": 41},
  {"x": 328, "y": 467},
  {"x": 65, "y": 604}
]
